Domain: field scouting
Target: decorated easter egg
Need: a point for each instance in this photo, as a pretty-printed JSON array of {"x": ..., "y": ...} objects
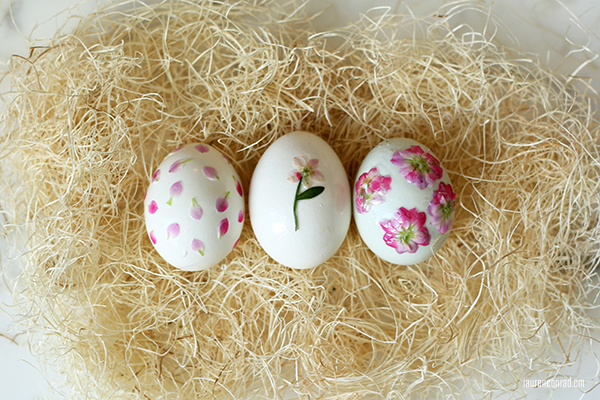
[
  {"x": 194, "y": 207},
  {"x": 403, "y": 201},
  {"x": 299, "y": 202}
]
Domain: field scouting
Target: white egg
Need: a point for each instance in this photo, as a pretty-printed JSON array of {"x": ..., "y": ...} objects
[
  {"x": 299, "y": 202},
  {"x": 194, "y": 207},
  {"x": 403, "y": 202}
]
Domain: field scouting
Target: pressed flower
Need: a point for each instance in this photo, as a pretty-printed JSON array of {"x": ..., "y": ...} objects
[
  {"x": 176, "y": 166},
  {"x": 235, "y": 244},
  {"x": 202, "y": 148},
  {"x": 156, "y": 176},
  {"x": 371, "y": 188},
  {"x": 417, "y": 166},
  {"x": 238, "y": 186},
  {"x": 441, "y": 208},
  {"x": 210, "y": 173},
  {"x": 306, "y": 171},
  {"x": 195, "y": 210},
  {"x": 222, "y": 202},
  {"x": 152, "y": 207},
  {"x": 222, "y": 228},
  {"x": 241, "y": 215},
  {"x": 152, "y": 237},
  {"x": 198, "y": 246},
  {"x": 406, "y": 231},
  {"x": 175, "y": 190},
  {"x": 173, "y": 230}
]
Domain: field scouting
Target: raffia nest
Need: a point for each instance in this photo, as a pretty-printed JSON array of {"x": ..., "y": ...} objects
[{"x": 95, "y": 111}]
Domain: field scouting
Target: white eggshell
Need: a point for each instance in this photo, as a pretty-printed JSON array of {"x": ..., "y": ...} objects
[
  {"x": 194, "y": 207},
  {"x": 403, "y": 215},
  {"x": 323, "y": 221}
]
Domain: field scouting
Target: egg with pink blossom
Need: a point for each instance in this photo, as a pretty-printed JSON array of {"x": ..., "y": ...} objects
[
  {"x": 194, "y": 207},
  {"x": 299, "y": 201},
  {"x": 403, "y": 201}
]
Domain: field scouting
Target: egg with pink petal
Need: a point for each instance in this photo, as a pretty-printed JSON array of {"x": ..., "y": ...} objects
[
  {"x": 404, "y": 202},
  {"x": 194, "y": 207}
]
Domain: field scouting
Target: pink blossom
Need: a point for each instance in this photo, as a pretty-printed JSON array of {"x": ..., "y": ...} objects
[
  {"x": 198, "y": 246},
  {"x": 196, "y": 211},
  {"x": 156, "y": 176},
  {"x": 176, "y": 166},
  {"x": 202, "y": 148},
  {"x": 222, "y": 203},
  {"x": 175, "y": 190},
  {"x": 173, "y": 230},
  {"x": 371, "y": 188},
  {"x": 441, "y": 208},
  {"x": 307, "y": 171},
  {"x": 241, "y": 215},
  {"x": 210, "y": 173},
  {"x": 152, "y": 207},
  {"x": 152, "y": 237},
  {"x": 418, "y": 167},
  {"x": 222, "y": 228},
  {"x": 406, "y": 232}
]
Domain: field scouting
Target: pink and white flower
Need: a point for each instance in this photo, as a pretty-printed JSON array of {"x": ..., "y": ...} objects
[
  {"x": 202, "y": 148},
  {"x": 222, "y": 228},
  {"x": 152, "y": 237},
  {"x": 156, "y": 176},
  {"x": 210, "y": 173},
  {"x": 417, "y": 166},
  {"x": 238, "y": 186},
  {"x": 152, "y": 207},
  {"x": 196, "y": 211},
  {"x": 175, "y": 190},
  {"x": 406, "y": 231},
  {"x": 441, "y": 208},
  {"x": 306, "y": 171},
  {"x": 222, "y": 203},
  {"x": 173, "y": 230},
  {"x": 370, "y": 189},
  {"x": 198, "y": 246},
  {"x": 177, "y": 165}
]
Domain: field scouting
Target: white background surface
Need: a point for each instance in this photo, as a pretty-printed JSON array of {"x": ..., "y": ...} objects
[{"x": 564, "y": 34}]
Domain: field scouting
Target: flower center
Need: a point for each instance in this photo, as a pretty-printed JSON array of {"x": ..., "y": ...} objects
[
  {"x": 306, "y": 171},
  {"x": 420, "y": 164},
  {"x": 447, "y": 210},
  {"x": 406, "y": 235}
]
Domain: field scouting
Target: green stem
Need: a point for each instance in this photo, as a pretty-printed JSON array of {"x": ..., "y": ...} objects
[{"x": 296, "y": 202}]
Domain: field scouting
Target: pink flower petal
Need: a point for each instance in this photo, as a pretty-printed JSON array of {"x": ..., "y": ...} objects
[
  {"x": 202, "y": 148},
  {"x": 156, "y": 176},
  {"x": 235, "y": 244},
  {"x": 313, "y": 163},
  {"x": 222, "y": 203},
  {"x": 152, "y": 237},
  {"x": 241, "y": 215},
  {"x": 196, "y": 211},
  {"x": 152, "y": 207},
  {"x": 294, "y": 176},
  {"x": 210, "y": 173},
  {"x": 173, "y": 230},
  {"x": 198, "y": 246},
  {"x": 176, "y": 188},
  {"x": 299, "y": 162},
  {"x": 318, "y": 176},
  {"x": 222, "y": 228},
  {"x": 406, "y": 232},
  {"x": 176, "y": 166},
  {"x": 238, "y": 186}
]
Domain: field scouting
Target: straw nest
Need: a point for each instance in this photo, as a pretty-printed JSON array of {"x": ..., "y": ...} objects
[{"x": 95, "y": 111}]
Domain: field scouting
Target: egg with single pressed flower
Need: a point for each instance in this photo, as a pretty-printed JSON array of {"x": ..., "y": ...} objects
[
  {"x": 404, "y": 202},
  {"x": 299, "y": 201},
  {"x": 194, "y": 207}
]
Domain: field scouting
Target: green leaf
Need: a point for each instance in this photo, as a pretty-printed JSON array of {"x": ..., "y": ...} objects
[{"x": 310, "y": 193}]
